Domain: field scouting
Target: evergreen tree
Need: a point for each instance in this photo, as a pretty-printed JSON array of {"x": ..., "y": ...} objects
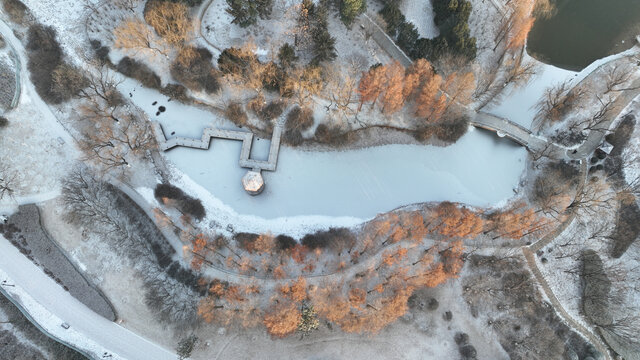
[
  {"x": 350, "y": 9},
  {"x": 287, "y": 55},
  {"x": 323, "y": 42},
  {"x": 393, "y": 17},
  {"x": 246, "y": 12},
  {"x": 407, "y": 36}
]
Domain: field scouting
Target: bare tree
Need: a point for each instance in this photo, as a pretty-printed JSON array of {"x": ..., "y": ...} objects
[
  {"x": 558, "y": 99},
  {"x": 8, "y": 179},
  {"x": 626, "y": 328},
  {"x": 601, "y": 119},
  {"x": 102, "y": 95},
  {"x": 521, "y": 72},
  {"x": 596, "y": 196},
  {"x": 616, "y": 76}
]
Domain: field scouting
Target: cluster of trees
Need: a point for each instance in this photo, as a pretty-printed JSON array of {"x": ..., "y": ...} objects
[
  {"x": 432, "y": 96},
  {"x": 601, "y": 304},
  {"x": 452, "y": 18},
  {"x": 366, "y": 303},
  {"x": 47, "y": 67},
  {"x": 324, "y": 252},
  {"x": 246, "y": 12},
  {"x": 171, "y": 291},
  {"x": 312, "y": 33},
  {"x": 166, "y": 26}
]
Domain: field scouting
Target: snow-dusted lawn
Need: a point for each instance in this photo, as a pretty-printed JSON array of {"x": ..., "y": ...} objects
[
  {"x": 420, "y": 13},
  {"x": 34, "y": 146}
]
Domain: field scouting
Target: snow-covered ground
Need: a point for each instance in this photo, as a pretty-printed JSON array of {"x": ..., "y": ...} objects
[
  {"x": 35, "y": 147},
  {"x": 420, "y": 13}
]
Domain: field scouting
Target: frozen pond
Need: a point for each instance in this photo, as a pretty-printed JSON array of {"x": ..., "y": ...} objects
[
  {"x": 519, "y": 105},
  {"x": 481, "y": 169}
]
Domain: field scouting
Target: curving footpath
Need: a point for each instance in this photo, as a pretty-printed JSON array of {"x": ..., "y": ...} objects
[{"x": 529, "y": 254}]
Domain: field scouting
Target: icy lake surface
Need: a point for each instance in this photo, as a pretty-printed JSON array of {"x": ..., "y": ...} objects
[{"x": 481, "y": 169}]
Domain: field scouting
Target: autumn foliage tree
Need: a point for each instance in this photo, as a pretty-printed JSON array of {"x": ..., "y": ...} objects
[
  {"x": 134, "y": 34},
  {"x": 171, "y": 21},
  {"x": 432, "y": 95}
]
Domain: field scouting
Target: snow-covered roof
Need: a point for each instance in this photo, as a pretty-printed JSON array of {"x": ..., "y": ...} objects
[{"x": 253, "y": 182}]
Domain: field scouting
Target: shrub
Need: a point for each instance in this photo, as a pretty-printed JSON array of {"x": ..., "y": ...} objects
[
  {"x": 271, "y": 111},
  {"x": 246, "y": 240},
  {"x": 194, "y": 69},
  {"x": 273, "y": 77},
  {"x": 16, "y": 10},
  {"x": 627, "y": 225},
  {"x": 596, "y": 288},
  {"x": 185, "y": 203},
  {"x": 139, "y": 71},
  {"x": 3, "y": 122},
  {"x": 68, "y": 81},
  {"x": 176, "y": 91},
  {"x": 193, "y": 207},
  {"x": 424, "y": 134},
  {"x": 234, "y": 61},
  {"x": 461, "y": 338},
  {"x": 185, "y": 346},
  {"x": 331, "y": 135},
  {"x": 285, "y": 242},
  {"x": 235, "y": 112},
  {"x": 292, "y": 137},
  {"x": 452, "y": 131},
  {"x": 299, "y": 119},
  {"x": 102, "y": 52},
  {"x": 45, "y": 55},
  {"x": 336, "y": 239}
]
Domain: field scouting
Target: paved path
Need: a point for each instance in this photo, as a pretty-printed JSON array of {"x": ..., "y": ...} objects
[
  {"x": 48, "y": 306},
  {"x": 529, "y": 254}
]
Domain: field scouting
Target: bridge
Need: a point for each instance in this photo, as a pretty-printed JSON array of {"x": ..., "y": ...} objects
[
  {"x": 509, "y": 129},
  {"x": 253, "y": 182}
]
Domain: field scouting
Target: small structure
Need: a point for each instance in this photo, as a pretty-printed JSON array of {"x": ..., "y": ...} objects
[
  {"x": 606, "y": 147},
  {"x": 253, "y": 182}
]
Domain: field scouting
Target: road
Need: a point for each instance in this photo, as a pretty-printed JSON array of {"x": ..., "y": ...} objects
[{"x": 46, "y": 303}]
